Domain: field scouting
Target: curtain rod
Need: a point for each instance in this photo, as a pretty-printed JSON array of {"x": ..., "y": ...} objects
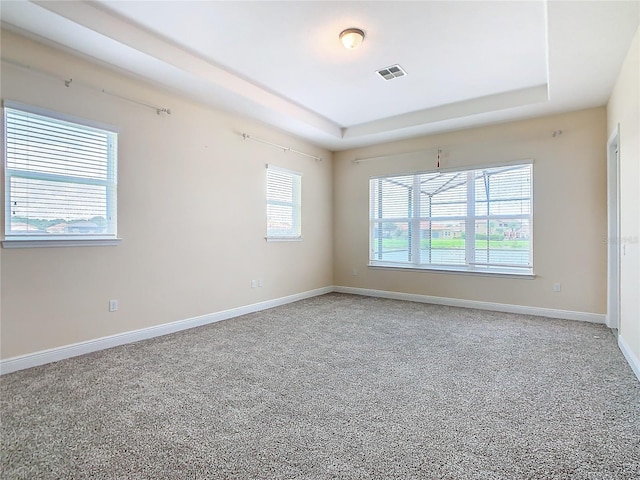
[
  {"x": 438, "y": 150},
  {"x": 246, "y": 136},
  {"x": 392, "y": 155},
  {"x": 69, "y": 81}
]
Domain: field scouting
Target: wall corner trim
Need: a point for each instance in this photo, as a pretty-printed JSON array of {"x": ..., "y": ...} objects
[
  {"x": 497, "y": 307},
  {"x": 633, "y": 360},
  {"x": 22, "y": 362}
]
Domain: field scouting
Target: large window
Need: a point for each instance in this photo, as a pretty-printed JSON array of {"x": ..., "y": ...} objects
[
  {"x": 60, "y": 178},
  {"x": 284, "y": 204},
  {"x": 468, "y": 220}
]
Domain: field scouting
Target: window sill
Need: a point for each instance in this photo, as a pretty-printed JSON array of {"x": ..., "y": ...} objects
[
  {"x": 60, "y": 242},
  {"x": 283, "y": 239},
  {"x": 454, "y": 270}
]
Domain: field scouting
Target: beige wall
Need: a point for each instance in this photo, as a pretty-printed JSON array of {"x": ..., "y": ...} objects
[
  {"x": 569, "y": 211},
  {"x": 191, "y": 215},
  {"x": 624, "y": 110},
  {"x": 191, "y": 212}
]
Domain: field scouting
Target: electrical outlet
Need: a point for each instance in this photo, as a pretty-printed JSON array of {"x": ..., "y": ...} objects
[
  {"x": 260, "y": 282},
  {"x": 113, "y": 305},
  {"x": 254, "y": 283},
  {"x": 557, "y": 287}
]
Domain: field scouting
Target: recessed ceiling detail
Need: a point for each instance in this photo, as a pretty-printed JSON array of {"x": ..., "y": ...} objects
[
  {"x": 394, "y": 71},
  {"x": 471, "y": 63}
]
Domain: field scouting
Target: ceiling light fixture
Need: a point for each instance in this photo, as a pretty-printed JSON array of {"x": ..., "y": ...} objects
[{"x": 352, "y": 37}]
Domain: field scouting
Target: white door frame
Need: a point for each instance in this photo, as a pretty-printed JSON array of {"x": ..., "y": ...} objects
[{"x": 613, "y": 229}]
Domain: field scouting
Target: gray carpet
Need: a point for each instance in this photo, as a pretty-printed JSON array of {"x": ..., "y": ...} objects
[{"x": 334, "y": 387}]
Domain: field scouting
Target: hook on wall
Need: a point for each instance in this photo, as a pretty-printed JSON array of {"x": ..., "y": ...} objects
[
  {"x": 67, "y": 83},
  {"x": 556, "y": 133}
]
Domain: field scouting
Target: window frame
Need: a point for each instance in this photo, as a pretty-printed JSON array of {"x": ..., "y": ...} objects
[
  {"x": 295, "y": 234},
  {"x": 13, "y": 240},
  {"x": 469, "y": 219}
]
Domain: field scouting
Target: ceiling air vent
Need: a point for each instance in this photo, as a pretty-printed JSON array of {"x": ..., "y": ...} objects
[{"x": 394, "y": 71}]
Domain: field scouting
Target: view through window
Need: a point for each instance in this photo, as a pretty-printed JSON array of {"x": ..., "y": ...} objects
[
  {"x": 60, "y": 177},
  {"x": 284, "y": 204},
  {"x": 470, "y": 220}
]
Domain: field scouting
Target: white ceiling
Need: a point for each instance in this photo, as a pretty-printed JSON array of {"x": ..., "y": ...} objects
[{"x": 467, "y": 63}]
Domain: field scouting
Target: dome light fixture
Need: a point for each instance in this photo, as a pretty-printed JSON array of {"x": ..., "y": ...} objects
[{"x": 352, "y": 37}]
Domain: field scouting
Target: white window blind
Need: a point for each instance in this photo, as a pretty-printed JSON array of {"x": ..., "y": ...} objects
[
  {"x": 470, "y": 220},
  {"x": 60, "y": 177},
  {"x": 284, "y": 204}
]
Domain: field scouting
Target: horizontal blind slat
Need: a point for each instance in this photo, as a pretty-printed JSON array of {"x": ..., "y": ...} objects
[
  {"x": 60, "y": 175},
  {"x": 283, "y": 203},
  {"x": 502, "y": 203}
]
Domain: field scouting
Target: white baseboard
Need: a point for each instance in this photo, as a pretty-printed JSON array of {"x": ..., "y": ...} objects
[
  {"x": 60, "y": 353},
  {"x": 633, "y": 360},
  {"x": 497, "y": 307}
]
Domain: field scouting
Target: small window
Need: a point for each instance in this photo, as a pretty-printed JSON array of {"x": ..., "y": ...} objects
[
  {"x": 284, "y": 204},
  {"x": 60, "y": 179},
  {"x": 465, "y": 220}
]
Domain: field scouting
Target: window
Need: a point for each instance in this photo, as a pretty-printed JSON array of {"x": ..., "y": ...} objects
[
  {"x": 284, "y": 199},
  {"x": 60, "y": 179},
  {"x": 467, "y": 220}
]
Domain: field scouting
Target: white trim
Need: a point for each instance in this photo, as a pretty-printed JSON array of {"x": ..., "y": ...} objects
[
  {"x": 60, "y": 353},
  {"x": 457, "y": 302},
  {"x": 613, "y": 229},
  {"x": 68, "y": 351},
  {"x": 59, "y": 116},
  {"x": 452, "y": 269},
  {"x": 512, "y": 163},
  {"x": 86, "y": 242},
  {"x": 271, "y": 166},
  {"x": 283, "y": 239},
  {"x": 415, "y": 217},
  {"x": 75, "y": 176},
  {"x": 634, "y": 361}
]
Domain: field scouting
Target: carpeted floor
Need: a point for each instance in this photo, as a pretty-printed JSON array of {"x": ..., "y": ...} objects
[{"x": 334, "y": 387}]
